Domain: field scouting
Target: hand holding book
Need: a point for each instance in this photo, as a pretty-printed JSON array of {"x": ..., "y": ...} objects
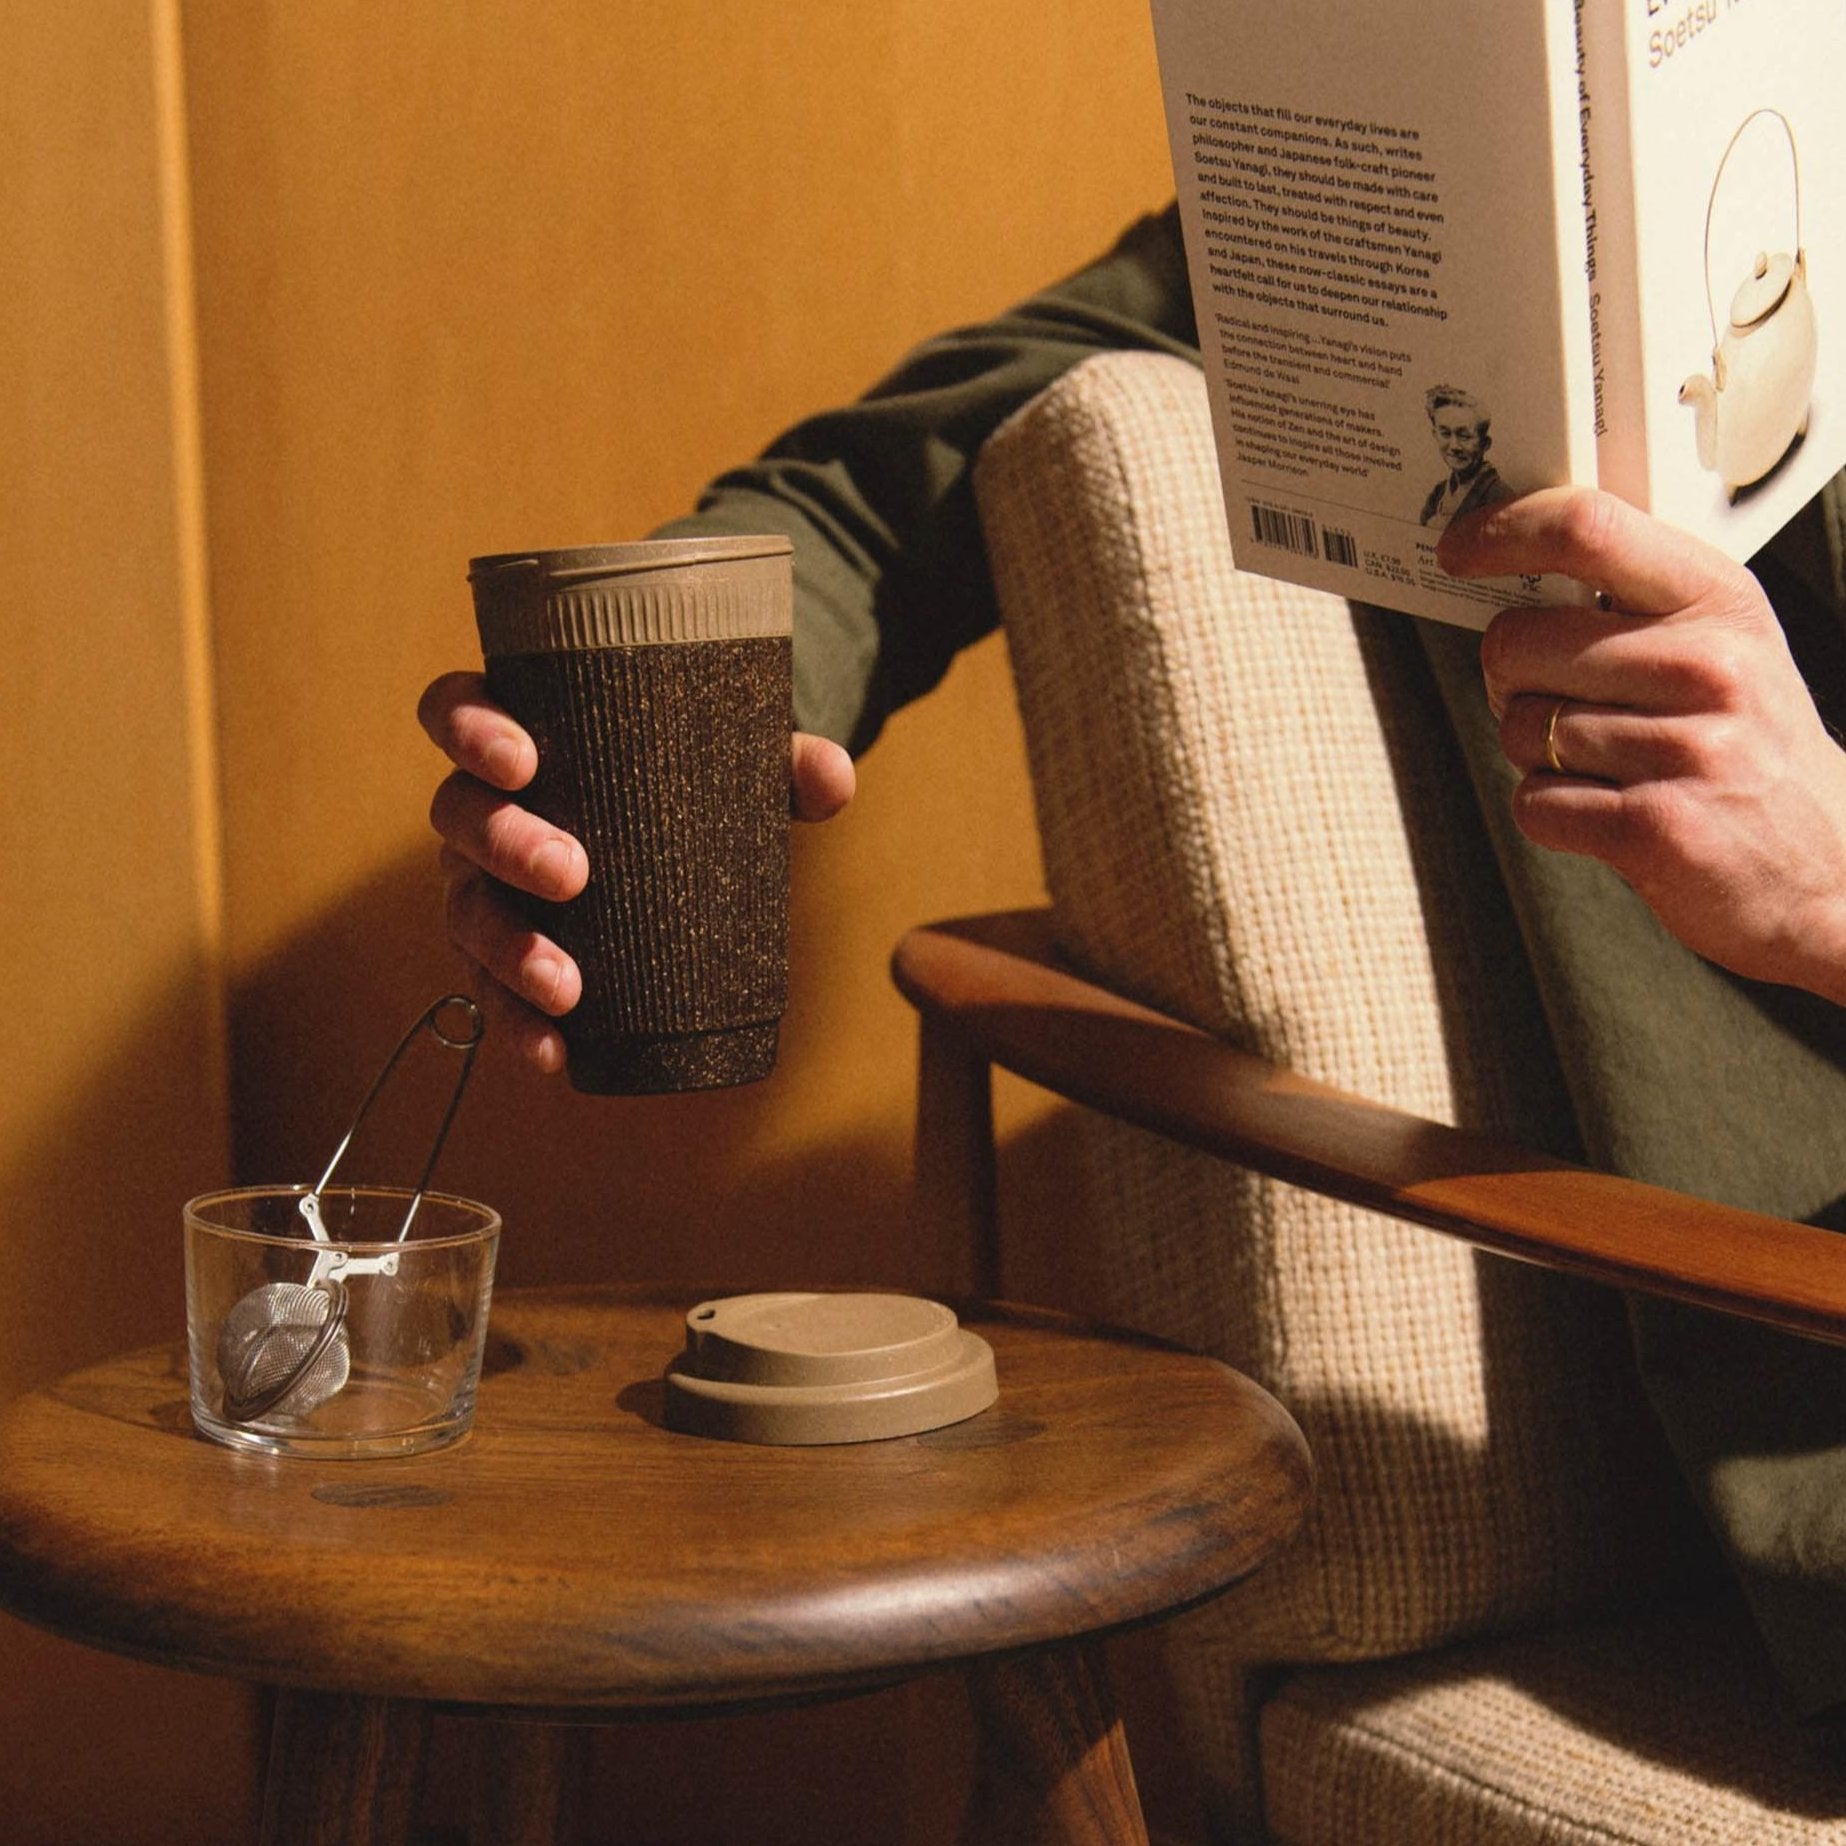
[
  {"x": 1669, "y": 735},
  {"x": 1600, "y": 242}
]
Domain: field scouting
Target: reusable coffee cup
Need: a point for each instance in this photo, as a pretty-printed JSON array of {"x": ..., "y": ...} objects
[{"x": 655, "y": 679}]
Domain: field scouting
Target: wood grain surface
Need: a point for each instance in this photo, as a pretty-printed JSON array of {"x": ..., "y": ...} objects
[
  {"x": 1054, "y": 1768},
  {"x": 343, "y": 1771},
  {"x": 573, "y": 1553}
]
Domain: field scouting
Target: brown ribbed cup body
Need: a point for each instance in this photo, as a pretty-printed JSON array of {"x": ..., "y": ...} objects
[{"x": 655, "y": 680}]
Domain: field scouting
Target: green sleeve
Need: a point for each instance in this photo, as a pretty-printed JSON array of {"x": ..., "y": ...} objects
[{"x": 891, "y": 575}]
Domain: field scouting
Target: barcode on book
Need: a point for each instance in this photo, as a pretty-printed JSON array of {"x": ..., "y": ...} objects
[
  {"x": 1339, "y": 547},
  {"x": 1274, "y": 525}
]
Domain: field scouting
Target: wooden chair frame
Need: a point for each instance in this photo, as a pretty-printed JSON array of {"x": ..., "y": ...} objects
[{"x": 997, "y": 990}]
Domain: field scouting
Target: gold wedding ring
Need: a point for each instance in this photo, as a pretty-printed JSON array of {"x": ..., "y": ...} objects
[{"x": 1551, "y": 739}]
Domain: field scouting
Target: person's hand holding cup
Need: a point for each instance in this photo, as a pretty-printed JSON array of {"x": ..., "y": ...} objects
[{"x": 614, "y": 832}]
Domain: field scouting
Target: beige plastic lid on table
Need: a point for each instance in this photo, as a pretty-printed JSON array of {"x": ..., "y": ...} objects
[{"x": 810, "y": 1368}]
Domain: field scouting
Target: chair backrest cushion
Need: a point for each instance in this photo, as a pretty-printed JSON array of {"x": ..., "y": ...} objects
[{"x": 1252, "y": 814}]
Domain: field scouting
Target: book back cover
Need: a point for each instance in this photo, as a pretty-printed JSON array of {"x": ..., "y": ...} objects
[{"x": 1385, "y": 228}]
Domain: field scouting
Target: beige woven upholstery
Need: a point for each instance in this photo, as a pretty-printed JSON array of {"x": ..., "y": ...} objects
[
  {"x": 1665, "y": 1731},
  {"x": 1215, "y": 758},
  {"x": 1251, "y": 816}
]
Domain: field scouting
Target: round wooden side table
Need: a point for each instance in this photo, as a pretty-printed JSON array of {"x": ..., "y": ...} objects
[{"x": 575, "y": 1560}]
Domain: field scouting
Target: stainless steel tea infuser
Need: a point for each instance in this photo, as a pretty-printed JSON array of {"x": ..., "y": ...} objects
[{"x": 284, "y": 1346}]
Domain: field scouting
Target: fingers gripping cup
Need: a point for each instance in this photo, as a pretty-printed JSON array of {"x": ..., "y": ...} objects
[{"x": 655, "y": 680}]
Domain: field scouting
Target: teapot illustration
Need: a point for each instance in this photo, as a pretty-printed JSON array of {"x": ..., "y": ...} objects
[{"x": 1754, "y": 406}]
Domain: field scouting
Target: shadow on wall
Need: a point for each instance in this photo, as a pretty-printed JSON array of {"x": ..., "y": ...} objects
[
  {"x": 707, "y": 1188},
  {"x": 99, "y": 1748},
  {"x": 727, "y": 1185},
  {"x": 90, "y": 1192},
  {"x": 801, "y": 1178}
]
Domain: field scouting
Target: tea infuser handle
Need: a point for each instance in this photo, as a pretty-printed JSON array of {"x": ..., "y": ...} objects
[
  {"x": 466, "y": 1040},
  {"x": 1794, "y": 161},
  {"x": 336, "y": 1264}
]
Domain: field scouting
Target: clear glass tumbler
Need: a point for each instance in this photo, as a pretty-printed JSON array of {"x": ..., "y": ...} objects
[{"x": 344, "y": 1344}]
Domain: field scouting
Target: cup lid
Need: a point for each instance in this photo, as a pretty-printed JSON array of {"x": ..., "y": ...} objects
[
  {"x": 576, "y": 563},
  {"x": 801, "y": 1368},
  {"x": 718, "y": 588}
]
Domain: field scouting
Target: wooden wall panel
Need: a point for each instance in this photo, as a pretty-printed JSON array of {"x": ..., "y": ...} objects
[
  {"x": 466, "y": 278},
  {"x": 475, "y": 278},
  {"x": 112, "y": 1106}
]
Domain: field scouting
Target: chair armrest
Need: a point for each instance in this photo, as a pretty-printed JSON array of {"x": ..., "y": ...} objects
[{"x": 1000, "y": 985}]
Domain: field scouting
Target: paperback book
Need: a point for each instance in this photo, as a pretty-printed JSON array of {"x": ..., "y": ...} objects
[{"x": 1444, "y": 254}]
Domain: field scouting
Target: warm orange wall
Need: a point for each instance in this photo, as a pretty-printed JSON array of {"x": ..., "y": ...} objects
[
  {"x": 111, "y": 1058},
  {"x": 468, "y": 278},
  {"x": 474, "y": 278}
]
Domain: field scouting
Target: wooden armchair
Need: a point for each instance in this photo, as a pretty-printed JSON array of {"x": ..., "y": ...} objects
[{"x": 1298, "y": 1016}]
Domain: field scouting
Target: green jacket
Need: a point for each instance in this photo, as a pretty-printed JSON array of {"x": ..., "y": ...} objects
[{"x": 1678, "y": 1073}]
